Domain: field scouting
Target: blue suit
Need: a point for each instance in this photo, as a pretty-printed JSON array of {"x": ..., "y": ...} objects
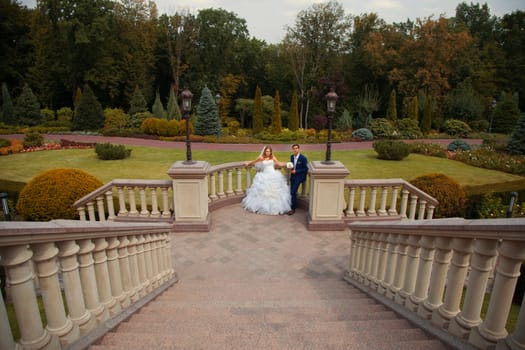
[{"x": 301, "y": 170}]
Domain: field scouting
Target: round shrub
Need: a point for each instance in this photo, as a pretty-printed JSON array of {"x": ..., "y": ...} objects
[
  {"x": 391, "y": 149},
  {"x": 382, "y": 128},
  {"x": 450, "y": 195},
  {"x": 33, "y": 139},
  {"x": 458, "y": 145},
  {"x": 51, "y": 194},
  {"x": 363, "y": 134},
  {"x": 108, "y": 151},
  {"x": 456, "y": 128},
  {"x": 408, "y": 128},
  {"x": 115, "y": 118}
]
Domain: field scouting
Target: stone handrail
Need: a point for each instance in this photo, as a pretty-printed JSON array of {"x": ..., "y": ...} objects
[
  {"x": 405, "y": 200},
  {"x": 99, "y": 204},
  {"x": 98, "y": 272},
  {"x": 422, "y": 267}
]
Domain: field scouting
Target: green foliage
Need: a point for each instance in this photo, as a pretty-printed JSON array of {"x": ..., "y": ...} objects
[
  {"x": 391, "y": 149},
  {"x": 27, "y": 108},
  {"x": 258, "y": 118},
  {"x": 135, "y": 120},
  {"x": 33, "y": 139},
  {"x": 516, "y": 143},
  {"x": 7, "y": 114},
  {"x": 5, "y": 143},
  {"x": 429, "y": 149},
  {"x": 506, "y": 115},
  {"x": 408, "y": 128},
  {"x": 382, "y": 128},
  {"x": 391, "y": 112},
  {"x": 456, "y": 128},
  {"x": 138, "y": 102},
  {"x": 488, "y": 158},
  {"x": 65, "y": 114},
  {"x": 115, "y": 118},
  {"x": 207, "y": 116},
  {"x": 464, "y": 103},
  {"x": 426, "y": 121},
  {"x": 458, "y": 145},
  {"x": 413, "y": 109},
  {"x": 293, "y": 120},
  {"x": 277, "y": 123},
  {"x": 363, "y": 134},
  {"x": 108, "y": 151},
  {"x": 47, "y": 115},
  {"x": 344, "y": 122},
  {"x": 173, "y": 110},
  {"x": 50, "y": 195},
  {"x": 158, "y": 108},
  {"x": 451, "y": 196},
  {"x": 88, "y": 114}
]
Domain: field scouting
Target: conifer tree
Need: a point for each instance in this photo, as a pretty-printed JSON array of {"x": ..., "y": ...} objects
[
  {"x": 138, "y": 102},
  {"x": 391, "y": 112},
  {"x": 277, "y": 122},
  {"x": 258, "y": 121},
  {"x": 516, "y": 143},
  {"x": 413, "y": 109},
  {"x": 426, "y": 120},
  {"x": 7, "y": 114},
  {"x": 27, "y": 108},
  {"x": 158, "y": 109},
  {"x": 293, "y": 121},
  {"x": 173, "y": 109},
  {"x": 89, "y": 114},
  {"x": 207, "y": 116},
  {"x": 506, "y": 114},
  {"x": 78, "y": 96}
]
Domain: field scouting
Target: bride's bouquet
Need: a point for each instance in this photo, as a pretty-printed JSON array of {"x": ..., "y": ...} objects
[{"x": 289, "y": 165}]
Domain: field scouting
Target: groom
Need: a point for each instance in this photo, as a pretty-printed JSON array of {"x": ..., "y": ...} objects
[{"x": 298, "y": 174}]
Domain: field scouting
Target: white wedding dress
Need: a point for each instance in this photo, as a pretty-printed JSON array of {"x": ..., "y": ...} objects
[{"x": 269, "y": 193}]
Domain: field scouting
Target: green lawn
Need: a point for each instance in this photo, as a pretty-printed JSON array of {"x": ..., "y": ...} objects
[{"x": 153, "y": 163}]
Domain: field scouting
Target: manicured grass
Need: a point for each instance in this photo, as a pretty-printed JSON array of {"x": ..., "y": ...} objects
[{"x": 153, "y": 163}]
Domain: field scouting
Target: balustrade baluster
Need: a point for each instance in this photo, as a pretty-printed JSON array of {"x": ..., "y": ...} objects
[
  {"x": 123, "y": 258},
  {"x": 143, "y": 203},
  {"x": 149, "y": 261},
  {"x": 430, "y": 211},
  {"x": 102, "y": 276},
  {"x": 58, "y": 323},
  {"x": 404, "y": 203},
  {"x": 390, "y": 265},
  {"x": 155, "y": 213},
  {"x": 462, "y": 249},
  {"x": 361, "y": 251},
  {"x": 114, "y": 274},
  {"x": 411, "y": 269},
  {"x": 165, "y": 208},
  {"x": 121, "y": 202},
  {"x": 413, "y": 206},
  {"x": 368, "y": 254},
  {"x": 401, "y": 266},
  {"x": 221, "y": 193},
  {"x": 155, "y": 278},
  {"x": 422, "y": 207},
  {"x": 375, "y": 260},
  {"x": 19, "y": 276},
  {"x": 134, "y": 269},
  {"x": 167, "y": 254},
  {"x": 393, "y": 201},
  {"x": 372, "y": 207},
  {"x": 89, "y": 281},
  {"x": 213, "y": 187},
  {"x": 423, "y": 274},
  {"x": 91, "y": 211},
  {"x": 238, "y": 188},
  {"x": 7, "y": 341},
  {"x": 159, "y": 249},
  {"x": 229, "y": 177},
  {"x": 144, "y": 282},
  {"x": 100, "y": 208},
  {"x": 82, "y": 213},
  {"x": 111, "y": 207},
  {"x": 248, "y": 177},
  {"x": 76, "y": 305},
  {"x": 362, "y": 196},
  {"x": 492, "y": 329},
  {"x": 352, "y": 266},
  {"x": 350, "y": 205},
  {"x": 132, "y": 204},
  {"x": 438, "y": 276},
  {"x": 382, "y": 205},
  {"x": 383, "y": 255},
  {"x": 481, "y": 266}
]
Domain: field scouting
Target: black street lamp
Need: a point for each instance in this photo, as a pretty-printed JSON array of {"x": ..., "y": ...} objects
[
  {"x": 331, "y": 99},
  {"x": 186, "y": 96}
]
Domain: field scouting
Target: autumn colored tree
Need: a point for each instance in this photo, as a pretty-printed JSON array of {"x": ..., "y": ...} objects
[
  {"x": 293, "y": 119},
  {"x": 258, "y": 117},
  {"x": 277, "y": 122}
]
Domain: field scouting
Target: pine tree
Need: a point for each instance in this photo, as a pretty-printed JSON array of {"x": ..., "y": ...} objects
[
  {"x": 516, "y": 143},
  {"x": 78, "y": 96},
  {"x": 207, "y": 119},
  {"x": 173, "y": 109},
  {"x": 426, "y": 121},
  {"x": 293, "y": 121},
  {"x": 89, "y": 114},
  {"x": 138, "y": 102},
  {"x": 277, "y": 122},
  {"x": 413, "y": 109},
  {"x": 158, "y": 109},
  {"x": 7, "y": 114},
  {"x": 257, "y": 123},
  {"x": 27, "y": 108},
  {"x": 506, "y": 114},
  {"x": 391, "y": 112}
]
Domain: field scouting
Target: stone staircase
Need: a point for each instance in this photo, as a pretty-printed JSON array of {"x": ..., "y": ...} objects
[{"x": 300, "y": 314}]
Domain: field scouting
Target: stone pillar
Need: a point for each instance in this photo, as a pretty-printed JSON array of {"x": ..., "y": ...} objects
[
  {"x": 327, "y": 196},
  {"x": 190, "y": 196},
  {"x": 423, "y": 274},
  {"x": 6, "y": 336},
  {"x": 100, "y": 259}
]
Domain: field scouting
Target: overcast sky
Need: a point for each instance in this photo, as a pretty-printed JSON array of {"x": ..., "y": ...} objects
[{"x": 267, "y": 19}]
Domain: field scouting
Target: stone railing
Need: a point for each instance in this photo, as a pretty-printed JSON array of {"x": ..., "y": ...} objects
[
  {"x": 403, "y": 199},
  {"x": 100, "y": 206},
  {"x": 88, "y": 276},
  {"x": 439, "y": 271}
]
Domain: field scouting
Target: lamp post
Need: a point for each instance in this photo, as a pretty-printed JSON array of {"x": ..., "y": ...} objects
[
  {"x": 331, "y": 99},
  {"x": 186, "y": 96},
  {"x": 493, "y": 105}
]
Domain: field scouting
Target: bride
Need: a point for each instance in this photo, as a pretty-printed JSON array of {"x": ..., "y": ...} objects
[{"x": 269, "y": 193}]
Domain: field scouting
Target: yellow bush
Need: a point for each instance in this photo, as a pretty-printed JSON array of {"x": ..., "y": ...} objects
[{"x": 51, "y": 195}]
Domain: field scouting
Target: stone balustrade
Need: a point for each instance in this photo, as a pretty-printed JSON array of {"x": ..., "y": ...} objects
[
  {"x": 368, "y": 200},
  {"x": 429, "y": 266},
  {"x": 87, "y": 276}
]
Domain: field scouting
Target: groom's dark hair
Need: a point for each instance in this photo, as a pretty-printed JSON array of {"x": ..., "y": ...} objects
[{"x": 295, "y": 144}]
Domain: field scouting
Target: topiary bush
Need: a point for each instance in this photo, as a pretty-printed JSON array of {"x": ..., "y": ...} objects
[
  {"x": 451, "y": 196},
  {"x": 456, "y": 128},
  {"x": 408, "y": 128},
  {"x": 51, "y": 194},
  {"x": 108, "y": 151},
  {"x": 382, "y": 128},
  {"x": 391, "y": 149},
  {"x": 458, "y": 145},
  {"x": 363, "y": 134}
]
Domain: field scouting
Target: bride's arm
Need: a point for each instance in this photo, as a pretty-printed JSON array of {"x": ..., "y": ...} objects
[
  {"x": 277, "y": 163},
  {"x": 256, "y": 160}
]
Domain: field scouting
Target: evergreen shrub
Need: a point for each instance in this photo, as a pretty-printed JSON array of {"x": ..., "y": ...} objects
[
  {"x": 382, "y": 128},
  {"x": 33, "y": 139},
  {"x": 391, "y": 149},
  {"x": 51, "y": 195},
  {"x": 456, "y": 128},
  {"x": 429, "y": 149},
  {"x": 408, "y": 128},
  {"x": 458, "y": 145},
  {"x": 5, "y": 143},
  {"x": 108, "y": 151},
  {"x": 451, "y": 196},
  {"x": 363, "y": 134}
]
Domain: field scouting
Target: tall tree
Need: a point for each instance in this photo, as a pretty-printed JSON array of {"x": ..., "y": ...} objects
[
  {"x": 516, "y": 144},
  {"x": 258, "y": 117},
  {"x": 89, "y": 114},
  {"x": 7, "y": 114},
  {"x": 426, "y": 120},
  {"x": 207, "y": 119},
  {"x": 138, "y": 103},
  {"x": 277, "y": 122},
  {"x": 158, "y": 108},
  {"x": 27, "y": 108},
  {"x": 293, "y": 120},
  {"x": 391, "y": 112},
  {"x": 513, "y": 43},
  {"x": 172, "y": 109}
]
